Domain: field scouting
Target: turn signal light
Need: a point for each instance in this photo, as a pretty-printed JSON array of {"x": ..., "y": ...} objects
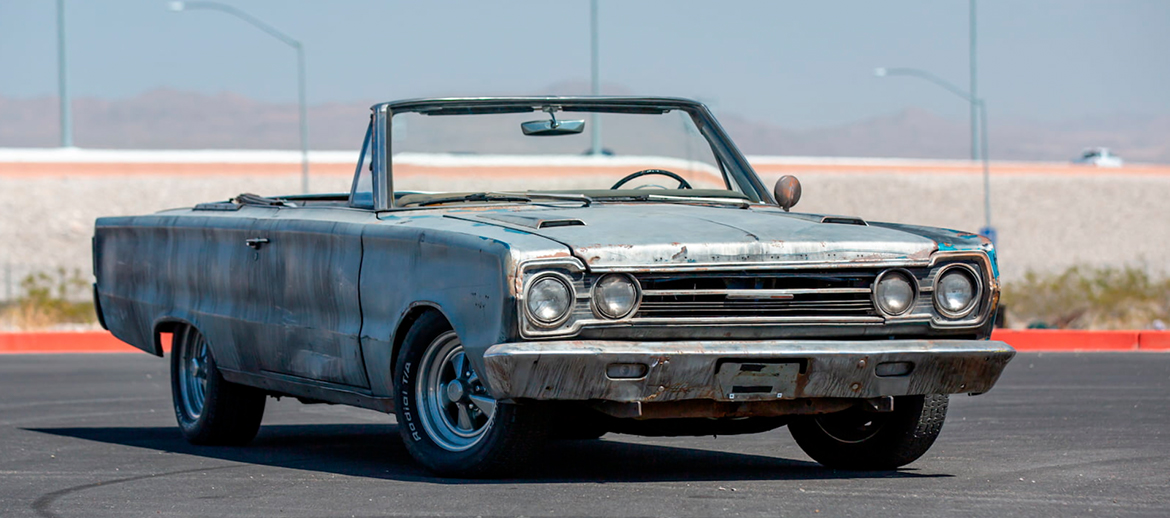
[{"x": 626, "y": 370}]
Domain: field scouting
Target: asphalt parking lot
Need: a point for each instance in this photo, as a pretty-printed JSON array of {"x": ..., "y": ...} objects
[{"x": 1061, "y": 435}]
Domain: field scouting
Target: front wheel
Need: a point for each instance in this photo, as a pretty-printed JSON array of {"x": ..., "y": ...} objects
[
  {"x": 860, "y": 440},
  {"x": 446, "y": 417},
  {"x": 210, "y": 409}
]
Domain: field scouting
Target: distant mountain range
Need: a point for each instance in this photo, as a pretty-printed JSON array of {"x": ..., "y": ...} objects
[{"x": 172, "y": 119}]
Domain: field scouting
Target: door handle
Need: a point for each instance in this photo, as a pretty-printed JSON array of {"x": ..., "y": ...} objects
[{"x": 256, "y": 242}]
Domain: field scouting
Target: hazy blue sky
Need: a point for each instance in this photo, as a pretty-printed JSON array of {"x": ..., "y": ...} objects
[{"x": 798, "y": 64}]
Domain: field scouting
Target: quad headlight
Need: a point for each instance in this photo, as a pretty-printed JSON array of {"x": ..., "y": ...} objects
[
  {"x": 548, "y": 300},
  {"x": 894, "y": 292},
  {"x": 615, "y": 296},
  {"x": 956, "y": 291}
]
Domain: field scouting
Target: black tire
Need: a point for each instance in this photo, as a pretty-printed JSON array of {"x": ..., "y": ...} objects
[
  {"x": 210, "y": 410},
  {"x": 461, "y": 431},
  {"x": 859, "y": 440}
]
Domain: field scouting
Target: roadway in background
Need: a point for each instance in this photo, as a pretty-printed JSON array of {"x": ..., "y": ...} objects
[{"x": 1061, "y": 435}]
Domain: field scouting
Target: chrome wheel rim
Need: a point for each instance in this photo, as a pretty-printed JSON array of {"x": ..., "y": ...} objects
[
  {"x": 194, "y": 358},
  {"x": 456, "y": 409}
]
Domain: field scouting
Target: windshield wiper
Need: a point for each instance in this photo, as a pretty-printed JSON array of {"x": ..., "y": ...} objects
[
  {"x": 505, "y": 196},
  {"x": 587, "y": 201},
  {"x": 700, "y": 199},
  {"x": 477, "y": 196},
  {"x": 743, "y": 204}
]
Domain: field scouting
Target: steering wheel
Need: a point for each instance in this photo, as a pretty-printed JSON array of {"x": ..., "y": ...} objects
[{"x": 682, "y": 182}]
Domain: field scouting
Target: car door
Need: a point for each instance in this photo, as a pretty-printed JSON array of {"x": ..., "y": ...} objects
[
  {"x": 311, "y": 260},
  {"x": 218, "y": 279}
]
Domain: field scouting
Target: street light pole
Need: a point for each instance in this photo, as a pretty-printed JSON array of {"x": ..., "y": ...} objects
[
  {"x": 303, "y": 116},
  {"x": 296, "y": 45},
  {"x": 595, "y": 78},
  {"x": 989, "y": 231},
  {"x": 974, "y": 82},
  {"x": 63, "y": 80},
  {"x": 976, "y": 105}
]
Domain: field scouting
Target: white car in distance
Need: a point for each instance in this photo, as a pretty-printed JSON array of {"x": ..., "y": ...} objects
[{"x": 1100, "y": 157}]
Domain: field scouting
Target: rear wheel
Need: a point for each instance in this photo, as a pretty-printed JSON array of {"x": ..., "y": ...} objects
[
  {"x": 862, "y": 440},
  {"x": 210, "y": 410},
  {"x": 449, "y": 422}
]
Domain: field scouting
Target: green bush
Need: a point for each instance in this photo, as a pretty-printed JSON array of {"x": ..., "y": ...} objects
[
  {"x": 50, "y": 300},
  {"x": 1088, "y": 298}
]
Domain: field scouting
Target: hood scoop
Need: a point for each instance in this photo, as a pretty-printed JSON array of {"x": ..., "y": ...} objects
[
  {"x": 844, "y": 220},
  {"x": 534, "y": 221}
]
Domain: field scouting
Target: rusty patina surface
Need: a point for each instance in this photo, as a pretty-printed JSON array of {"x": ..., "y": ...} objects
[
  {"x": 676, "y": 371},
  {"x": 311, "y": 296}
]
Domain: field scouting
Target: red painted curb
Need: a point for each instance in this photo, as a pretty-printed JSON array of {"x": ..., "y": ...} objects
[
  {"x": 1154, "y": 340},
  {"x": 50, "y": 342},
  {"x": 1081, "y": 340},
  {"x": 1024, "y": 340},
  {"x": 1067, "y": 340}
]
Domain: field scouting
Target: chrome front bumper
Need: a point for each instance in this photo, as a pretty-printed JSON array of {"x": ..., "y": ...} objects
[{"x": 739, "y": 371}]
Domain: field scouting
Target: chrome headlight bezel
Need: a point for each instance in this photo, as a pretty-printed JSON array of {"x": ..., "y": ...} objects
[
  {"x": 976, "y": 295},
  {"x": 914, "y": 292},
  {"x": 571, "y": 298},
  {"x": 594, "y": 298}
]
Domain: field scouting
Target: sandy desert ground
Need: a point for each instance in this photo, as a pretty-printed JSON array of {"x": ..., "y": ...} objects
[{"x": 1048, "y": 216}]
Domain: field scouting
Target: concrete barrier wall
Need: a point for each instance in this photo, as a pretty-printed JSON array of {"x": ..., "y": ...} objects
[
  {"x": 1045, "y": 222},
  {"x": 1048, "y": 215}
]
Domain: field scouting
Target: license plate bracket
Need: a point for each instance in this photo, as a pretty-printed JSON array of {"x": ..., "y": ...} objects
[{"x": 756, "y": 381}]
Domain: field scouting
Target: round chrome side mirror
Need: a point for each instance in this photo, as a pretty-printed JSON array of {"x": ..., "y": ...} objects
[{"x": 787, "y": 191}]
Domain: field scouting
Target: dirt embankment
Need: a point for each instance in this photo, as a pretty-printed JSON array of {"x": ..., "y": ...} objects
[{"x": 1048, "y": 217}]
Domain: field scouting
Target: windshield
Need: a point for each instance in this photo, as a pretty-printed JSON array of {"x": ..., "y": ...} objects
[{"x": 553, "y": 149}]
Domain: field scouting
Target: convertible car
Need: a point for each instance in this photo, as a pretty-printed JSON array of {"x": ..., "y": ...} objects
[{"x": 505, "y": 271}]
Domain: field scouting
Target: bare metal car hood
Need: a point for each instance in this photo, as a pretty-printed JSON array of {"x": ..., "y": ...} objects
[{"x": 646, "y": 234}]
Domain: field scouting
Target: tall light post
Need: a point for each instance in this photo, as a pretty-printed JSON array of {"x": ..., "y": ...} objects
[
  {"x": 974, "y": 69},
  {"x": 976, "y": 104},
  {"x": 296, "y": 45},
  {"x": 63, "y": 80},
  {"x": 595, "y": 78}
]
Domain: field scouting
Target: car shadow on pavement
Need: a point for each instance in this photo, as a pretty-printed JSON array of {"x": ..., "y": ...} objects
[{"x": 376, "y": 451}]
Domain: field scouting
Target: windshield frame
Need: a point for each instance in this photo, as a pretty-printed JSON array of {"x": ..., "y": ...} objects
[{"x": 731, "y": 162}]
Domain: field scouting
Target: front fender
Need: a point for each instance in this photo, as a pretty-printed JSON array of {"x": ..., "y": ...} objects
[{"x": 462, "y": 269}]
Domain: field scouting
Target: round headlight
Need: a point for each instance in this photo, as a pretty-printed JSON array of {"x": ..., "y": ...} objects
[
  {"x": 549, "y": 299},
  {"x": 615, "y": 296},
  {"x": 894, "y": 293},
  {"x": 955, "y": 292}
]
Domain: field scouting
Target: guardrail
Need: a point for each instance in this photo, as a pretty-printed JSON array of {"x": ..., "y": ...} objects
[{"x": 1030, "y": 340}]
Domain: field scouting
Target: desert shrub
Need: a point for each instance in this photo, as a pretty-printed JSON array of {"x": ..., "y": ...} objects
[
  {"x": 49, "y": 300},
  {"x": 1088, "y": 298}
]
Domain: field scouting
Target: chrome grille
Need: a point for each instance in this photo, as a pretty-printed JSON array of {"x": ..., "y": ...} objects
[{"x": 757, "y": 295}]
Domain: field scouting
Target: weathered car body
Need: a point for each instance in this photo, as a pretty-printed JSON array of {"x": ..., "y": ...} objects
[{"x": 742, "y": 309}]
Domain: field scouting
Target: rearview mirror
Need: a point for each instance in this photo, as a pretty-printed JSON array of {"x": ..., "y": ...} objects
[
  {"x": 549, "y": 128},
  {"x": 787, "y": 191}
]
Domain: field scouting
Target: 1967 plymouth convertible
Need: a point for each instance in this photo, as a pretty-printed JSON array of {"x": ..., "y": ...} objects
[{"x": 496, "y": 277}]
